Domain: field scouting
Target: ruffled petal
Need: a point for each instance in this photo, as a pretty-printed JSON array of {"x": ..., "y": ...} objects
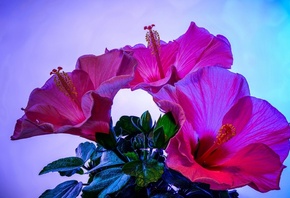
[
  {"x": 195, "y": 49},
  {"x": 256, "y": 165},
  {"x": 147, "y": 72},
  {"x": 25, "y": 129},
  {"x": 257, "y": 121},
  {"x": 174, "y": 108},
  {"x": 184, "y": 143},
  {"x": 199, "y": 48},
  {"x": 109, "y": 67},
  {"x": 98, "y": 119},
  {"x": 52, "y": 109},
  {"x": 206, "y": 96},
  {"x": 54, "y": 105},
  {"x": 167, "y": 93}
]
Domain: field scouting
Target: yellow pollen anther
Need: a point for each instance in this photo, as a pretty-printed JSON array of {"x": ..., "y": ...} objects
[
  {"x": 226, "y": 132},
  {"x": 153, "y": 40},
  {"x": 64, "y": 83}
]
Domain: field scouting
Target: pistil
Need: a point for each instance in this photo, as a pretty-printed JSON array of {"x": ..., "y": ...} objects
[
  {"x": 64, "y": 84},
  {"x": 153, "y": 40},
  {"x": 225, "y": 133}
]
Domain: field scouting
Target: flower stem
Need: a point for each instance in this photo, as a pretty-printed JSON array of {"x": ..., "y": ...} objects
[
  {"x": 145, "y": 146},
  {"x": 120, "y": 155}
]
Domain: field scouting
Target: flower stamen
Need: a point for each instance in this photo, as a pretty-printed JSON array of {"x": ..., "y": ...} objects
[
  {"x": 153, "y": 40},
  {"x": 64, "y": 83},
  {"x": 226, "y": 132}
]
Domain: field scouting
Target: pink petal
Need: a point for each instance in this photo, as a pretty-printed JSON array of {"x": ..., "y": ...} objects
[
  {"x": 52, "y": 110},
  {"x": 195, "y": 49},
  {"x": 147, "y": 71},
  {"x": 167, "y": 93},
  {"x": 255, "y": 165},
  {"x": 152, "y": 87},
  {"x": 97, "y": 120},
  {"x": 256, "y": 121},
  {"x": 111, "y": 66},
  {"x": 184, "y": 143},
  {"x": 206, "y": 96},
  {"x": 51, "y": 104},
  {"x": 199, "y": 48},
  {"x": 25, "y": 129}
]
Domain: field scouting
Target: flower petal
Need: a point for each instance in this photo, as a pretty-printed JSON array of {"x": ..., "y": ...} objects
[
  {"x": 51, "y": 109},
  {"x": 147, "y": 73},
  {"x": 199, "y": 48},
  {"x": 255, "y": 165},
  {"x": 258, "y": 121},
  {"x": 51, "y": 104},
  {"x": 185, "y": 144},
  {"x": 206, "y": 96},
  {"x": 25, "y": 129},
  {"x": 195, "y": 49},
  {"x": 98, "y": 119},
  {"x": 115, "y": 66}
]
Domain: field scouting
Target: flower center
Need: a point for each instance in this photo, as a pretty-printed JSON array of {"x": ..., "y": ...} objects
[
  {"x": 225, "y": 133},
  {"x": 153, "y": 40},
  {"x": 64, "y": 83}
]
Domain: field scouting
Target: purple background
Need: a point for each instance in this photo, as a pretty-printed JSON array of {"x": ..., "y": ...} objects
[{"x": 37, "y": 36}]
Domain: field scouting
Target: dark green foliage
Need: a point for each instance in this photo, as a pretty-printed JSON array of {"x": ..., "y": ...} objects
[
  {"x": 63, "y": 165},
  {"x": 67, "y": 189},
  {"x": 128, "y": 161},
  {"x": 145, "y": 172}
]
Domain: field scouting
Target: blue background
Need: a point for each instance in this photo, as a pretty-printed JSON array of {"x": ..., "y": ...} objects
[{"x": 37, "y": 36}]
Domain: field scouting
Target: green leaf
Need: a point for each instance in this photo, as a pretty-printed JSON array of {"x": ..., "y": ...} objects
[
  {"x": 169, "y": 126},
  {"x": 224, "y": 194},
  {"x": 233, "y": 194},
  {"x": 107, "y": 181},
  {"x": 109, "y": 158},
  {"x": 138, "y": 141},
  {"x": 127, "y": 125},
  {"x": 145, "y": 171},
  {"x": 67, "y": 189},
  {"x": 146, "y": 122},
  {"x": 71, "y": 172},
  {"x": 85, "y": 150},
  {"x": 96, "y": 154},
  {"x": 64, "y": 164},
  {"x": 108, "y": 141},
  {"x": 132, "y": 156},
  {"x": 159, "y": 138}
]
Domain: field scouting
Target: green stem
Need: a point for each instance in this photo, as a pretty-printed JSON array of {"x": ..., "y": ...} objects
[
  {"x": 120, "y": 155},
  {"x": 145, "y": 146}
]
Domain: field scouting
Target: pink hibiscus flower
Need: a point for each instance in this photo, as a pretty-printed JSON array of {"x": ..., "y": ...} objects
[
  {"x": 228, "y": 139},
  {"x": 79, "y": 102},
  {"x": 165, "y": 63}
]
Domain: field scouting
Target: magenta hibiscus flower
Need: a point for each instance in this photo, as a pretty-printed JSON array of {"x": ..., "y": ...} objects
[
  {"x": 165, "y": 63},
  {"x": 228, "y": 139},
  {"x": 79, "y": 102}
]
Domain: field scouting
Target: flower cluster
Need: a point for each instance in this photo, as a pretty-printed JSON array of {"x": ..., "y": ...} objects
[{"x": 214, "y": 136}]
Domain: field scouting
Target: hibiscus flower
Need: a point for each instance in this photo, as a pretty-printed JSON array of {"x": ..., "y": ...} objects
[
  {"x": 77, "y": 102},
  {"x": 165, "y": 63},
  {"x": 228, "y": 139}
]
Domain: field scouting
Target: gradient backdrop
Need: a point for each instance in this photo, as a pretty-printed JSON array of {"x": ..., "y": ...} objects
[{"x": 37, "y": 36}]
